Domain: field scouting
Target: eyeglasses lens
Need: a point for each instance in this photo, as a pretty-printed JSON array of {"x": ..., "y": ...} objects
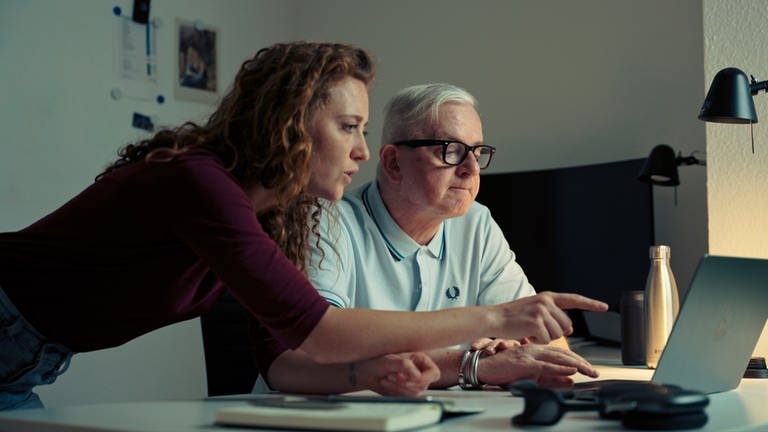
[
  {"x": 455, "y": 152},
  {"x": 484, "y": 156}
]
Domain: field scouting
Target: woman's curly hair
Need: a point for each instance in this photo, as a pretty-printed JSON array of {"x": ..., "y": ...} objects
[{"x": 260, "y": 131}]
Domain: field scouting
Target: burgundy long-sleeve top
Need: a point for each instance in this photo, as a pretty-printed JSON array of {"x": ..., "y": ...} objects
[{"x": 147, "y": 245}]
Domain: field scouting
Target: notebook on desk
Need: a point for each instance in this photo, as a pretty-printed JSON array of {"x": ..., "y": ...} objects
[
  {"x": 717, "y": 327},
  {"x": 342, "y": 412}
]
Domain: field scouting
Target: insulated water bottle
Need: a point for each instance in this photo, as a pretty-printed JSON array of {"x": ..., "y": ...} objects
[{"x": 660, "y": 304}]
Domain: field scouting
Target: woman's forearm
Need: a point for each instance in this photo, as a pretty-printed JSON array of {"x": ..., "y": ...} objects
[
  {"x": 347, "y": 335},
  {"x": 405, "y": 374},
  {"x": 296, "y": 372}
]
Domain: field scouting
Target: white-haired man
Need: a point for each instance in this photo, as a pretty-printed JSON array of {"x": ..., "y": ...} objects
[{"x": 415, "y": 239}]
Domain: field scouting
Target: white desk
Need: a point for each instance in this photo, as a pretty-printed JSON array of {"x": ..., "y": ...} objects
[{"x": 745, "y": 408}]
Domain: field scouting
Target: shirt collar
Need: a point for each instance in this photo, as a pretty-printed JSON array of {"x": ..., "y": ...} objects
[{"x": 399, "y": 243}]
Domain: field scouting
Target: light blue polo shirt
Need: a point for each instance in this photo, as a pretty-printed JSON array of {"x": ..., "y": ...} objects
[{"x": 378, "y": 266}]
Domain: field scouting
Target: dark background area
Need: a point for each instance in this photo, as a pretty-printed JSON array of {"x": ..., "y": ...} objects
[{"x": 583, "y": 229}]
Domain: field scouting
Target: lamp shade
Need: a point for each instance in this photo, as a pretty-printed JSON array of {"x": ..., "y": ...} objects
[
  {"x": 729, "y": 99},
  {"x": 660, "y": 168}
]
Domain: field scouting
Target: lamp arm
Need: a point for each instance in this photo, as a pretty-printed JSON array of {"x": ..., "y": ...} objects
[
  {"x": 689, "y": 160},
  {"x": 755, "y": 86}
]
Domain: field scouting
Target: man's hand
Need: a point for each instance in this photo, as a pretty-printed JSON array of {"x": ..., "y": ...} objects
[
  {"x": 543, "y": 363},
  {"x": 406, "y": 374},
  {"x": 491, "y": 346},
  {"x": 541, "y": 318}
]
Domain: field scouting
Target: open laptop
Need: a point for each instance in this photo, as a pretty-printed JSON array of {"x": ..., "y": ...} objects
[{"x": 718, "y": 325}]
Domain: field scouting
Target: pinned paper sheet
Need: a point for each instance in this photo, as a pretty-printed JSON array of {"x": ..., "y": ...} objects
[{"x": 135, "y": 51}]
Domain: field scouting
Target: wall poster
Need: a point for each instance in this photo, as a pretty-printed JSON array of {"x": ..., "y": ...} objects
[{"x": 196, "y": 77}]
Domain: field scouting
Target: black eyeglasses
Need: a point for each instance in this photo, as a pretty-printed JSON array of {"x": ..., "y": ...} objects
[{"x": 454, "y": 152}]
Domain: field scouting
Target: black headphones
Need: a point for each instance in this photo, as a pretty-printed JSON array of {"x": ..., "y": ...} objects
[{"x": 641, "y": 405}]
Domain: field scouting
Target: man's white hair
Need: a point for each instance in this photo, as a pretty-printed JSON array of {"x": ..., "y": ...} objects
[{"x": 414, "y": 109}]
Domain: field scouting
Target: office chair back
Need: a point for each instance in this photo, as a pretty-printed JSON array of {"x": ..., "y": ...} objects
[{"x": 229, "y": 358}]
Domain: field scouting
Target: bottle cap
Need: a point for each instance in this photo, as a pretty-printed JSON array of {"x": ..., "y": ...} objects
[{"x": 660, "y": 252}]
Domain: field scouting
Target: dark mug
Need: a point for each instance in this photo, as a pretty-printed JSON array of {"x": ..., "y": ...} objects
[{"x": 632, "y": 328}]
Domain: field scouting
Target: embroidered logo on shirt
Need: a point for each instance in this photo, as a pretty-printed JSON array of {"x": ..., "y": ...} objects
[{"x": 453, "y": 293}]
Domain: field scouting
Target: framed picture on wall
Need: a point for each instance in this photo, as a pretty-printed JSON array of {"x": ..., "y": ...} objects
[{"x": 196, "y": 77}]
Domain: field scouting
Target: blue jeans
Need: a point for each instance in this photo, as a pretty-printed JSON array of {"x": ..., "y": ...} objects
[{"x": 27, "y": 359}]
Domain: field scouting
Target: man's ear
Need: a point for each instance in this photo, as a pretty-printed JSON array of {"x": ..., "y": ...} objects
[{"x": 390, "y": 163}]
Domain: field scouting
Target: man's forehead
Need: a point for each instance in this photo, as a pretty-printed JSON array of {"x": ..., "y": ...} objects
[{"x": 463, "y": 124}]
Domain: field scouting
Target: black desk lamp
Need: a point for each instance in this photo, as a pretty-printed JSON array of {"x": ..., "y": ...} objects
[
  {"x": 661, "y": 166},
  {"x": 729, "y": 99}
]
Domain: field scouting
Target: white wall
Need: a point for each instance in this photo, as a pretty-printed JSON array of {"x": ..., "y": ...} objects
[
  {"x": 738, "y": 203},
  {"x": 60, "y": 128},
  {"x": 560, "y": 83}
]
